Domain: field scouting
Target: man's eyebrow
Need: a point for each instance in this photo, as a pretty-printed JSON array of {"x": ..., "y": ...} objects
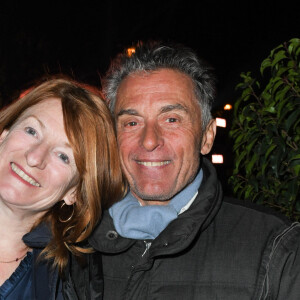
[
  {"x": 171, "y": 107},
  {"x": 129, "y": 111},
  {"x": 164, "y": 109}
]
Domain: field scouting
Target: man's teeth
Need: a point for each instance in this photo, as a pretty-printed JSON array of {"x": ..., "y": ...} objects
[
  {"x": 153, "y": 163},
  {"x": 23, "y": 175}
]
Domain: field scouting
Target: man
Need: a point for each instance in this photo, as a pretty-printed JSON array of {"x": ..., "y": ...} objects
[{"x": 174, "y": 236}]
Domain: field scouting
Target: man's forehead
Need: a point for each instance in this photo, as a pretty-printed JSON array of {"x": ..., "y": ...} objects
[
  {"x": 162, "y": 109},
  {"x": 161, "y": 91}
]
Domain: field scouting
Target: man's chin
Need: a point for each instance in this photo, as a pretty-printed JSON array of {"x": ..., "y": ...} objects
[{"x": 152, "y": 198}]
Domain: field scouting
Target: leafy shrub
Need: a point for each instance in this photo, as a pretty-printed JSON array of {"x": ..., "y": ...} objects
[{"x": 266, "y": 133}]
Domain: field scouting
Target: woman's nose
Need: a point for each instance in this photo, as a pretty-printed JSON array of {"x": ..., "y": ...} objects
[{"x": 36, "y": 156}]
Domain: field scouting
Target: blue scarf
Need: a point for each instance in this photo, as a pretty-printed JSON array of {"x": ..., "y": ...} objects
[{"x": 134, "y": 221}]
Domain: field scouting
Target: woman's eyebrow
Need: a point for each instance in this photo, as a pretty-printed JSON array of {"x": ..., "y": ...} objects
[
  {"x": 34, "y": 117},
  {"x": 66, "y": 144}
]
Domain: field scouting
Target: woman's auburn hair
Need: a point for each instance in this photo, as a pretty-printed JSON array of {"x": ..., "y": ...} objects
[{"x": 90, "y": 129}]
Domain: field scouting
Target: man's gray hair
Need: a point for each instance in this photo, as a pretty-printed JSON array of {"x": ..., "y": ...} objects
[{"x": 154, "y": 55}]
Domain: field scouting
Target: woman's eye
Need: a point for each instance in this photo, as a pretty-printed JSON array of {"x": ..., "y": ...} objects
[
  {"x": 64, "y": 158},
  {"x": 31, "y": 131}
]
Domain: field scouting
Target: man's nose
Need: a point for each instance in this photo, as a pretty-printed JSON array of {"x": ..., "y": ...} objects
[
  {"x": 36, "y": 156},
  {"x": 152, "y": 137}
]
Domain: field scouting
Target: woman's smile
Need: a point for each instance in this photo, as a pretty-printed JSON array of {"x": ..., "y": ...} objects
[{"x": 23, "y": 175}]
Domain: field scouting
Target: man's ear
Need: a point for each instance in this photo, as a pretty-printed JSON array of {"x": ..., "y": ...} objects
[
  {"x": 70, "y": 197},
  {"x": 3, "y": 135},
  {"x": 208, "y": 137}
]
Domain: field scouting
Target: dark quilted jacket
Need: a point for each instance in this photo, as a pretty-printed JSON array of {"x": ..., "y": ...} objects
[{"x": 217, "y": 249}]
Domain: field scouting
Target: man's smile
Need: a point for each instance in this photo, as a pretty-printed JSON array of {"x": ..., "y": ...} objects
[{"x": 154, "y": 163}]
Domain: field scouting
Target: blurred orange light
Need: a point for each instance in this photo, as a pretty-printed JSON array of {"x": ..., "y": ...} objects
[
  {"x": 228, "y": 107},
  {"x": 217, "y": 158},
  {"x": 130, "y": 51},
  {"x": 221, "y": 122},
  {"x": 25, "y": 92}
]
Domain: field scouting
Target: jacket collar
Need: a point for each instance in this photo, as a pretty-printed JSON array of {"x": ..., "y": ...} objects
[
  {"x": 180, "y": 232},
  {"x": 39, "y": 237}
]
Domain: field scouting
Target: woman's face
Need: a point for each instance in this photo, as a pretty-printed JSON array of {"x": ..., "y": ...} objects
[{"x": 37, "y": 167}]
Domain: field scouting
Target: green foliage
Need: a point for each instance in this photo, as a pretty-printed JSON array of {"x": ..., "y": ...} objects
[{"x": 266, "y": 133}]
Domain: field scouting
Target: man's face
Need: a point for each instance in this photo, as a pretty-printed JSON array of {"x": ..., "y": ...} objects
[{"x": 159, "y": 133}]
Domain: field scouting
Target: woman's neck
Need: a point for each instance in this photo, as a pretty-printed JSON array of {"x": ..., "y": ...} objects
[{"x": 13, "y": 225}]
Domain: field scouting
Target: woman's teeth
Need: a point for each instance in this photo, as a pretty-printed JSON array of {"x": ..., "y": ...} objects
[{"x": 24, "y": 176}]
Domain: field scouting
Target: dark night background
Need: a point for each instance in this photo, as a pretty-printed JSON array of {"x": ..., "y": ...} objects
[{"x": 79, "y": 39}]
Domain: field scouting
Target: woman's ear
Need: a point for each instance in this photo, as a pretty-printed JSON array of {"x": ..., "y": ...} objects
[
  {"x": 208, "y": 137},
  {"x": 70, "y": 197},
  {"x": 3, "y": 135}
]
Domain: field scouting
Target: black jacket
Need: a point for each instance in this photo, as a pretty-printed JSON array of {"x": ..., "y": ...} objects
[
  {"x": 86, "y": 282},
  {"x": 217, "y": 249},
  {"x": 45, "y": 280}
]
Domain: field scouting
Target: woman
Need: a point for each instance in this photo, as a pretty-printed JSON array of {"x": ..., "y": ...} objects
[{"x": 59, "y": 167}]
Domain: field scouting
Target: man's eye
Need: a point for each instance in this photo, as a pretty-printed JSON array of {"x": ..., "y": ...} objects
[
  {"x": 64, "y": 158},
  {"x": 172, "y": 120},
  {"x": 31, "y": 131},
  {"x": 131, "y": 123}
]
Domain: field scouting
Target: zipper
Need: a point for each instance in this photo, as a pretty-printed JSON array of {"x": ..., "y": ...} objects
[{"x": 147, "y": 247}]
